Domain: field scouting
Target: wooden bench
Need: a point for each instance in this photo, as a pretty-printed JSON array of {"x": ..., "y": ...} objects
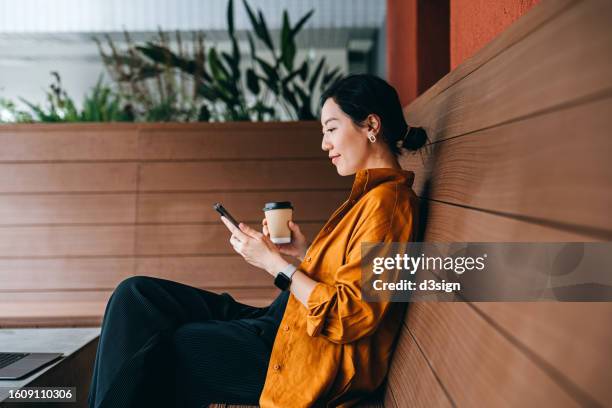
[{"x": 521, "y": 152}]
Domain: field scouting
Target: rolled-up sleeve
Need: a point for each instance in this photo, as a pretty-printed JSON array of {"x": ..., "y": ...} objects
[{"x": 337, "y": 311}]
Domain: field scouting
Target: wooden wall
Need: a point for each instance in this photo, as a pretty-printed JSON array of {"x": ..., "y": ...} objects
[
  {"x": 83, "y": 206},
  {"x": 521, "y": 152}
]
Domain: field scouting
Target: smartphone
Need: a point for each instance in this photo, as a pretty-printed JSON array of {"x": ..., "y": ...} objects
[{"x": 221, "y": 210}]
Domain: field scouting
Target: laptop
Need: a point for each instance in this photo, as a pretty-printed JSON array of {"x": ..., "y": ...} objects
[{"x": 14, "y": 366}]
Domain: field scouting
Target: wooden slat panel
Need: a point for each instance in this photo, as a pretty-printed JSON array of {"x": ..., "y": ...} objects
[
  {"x": 421, "y": 163},
  {"x": 194, "y": 239},
  {"x": 66, "y": 241},
  {"x": 537, "y": 18},
  {"x": 241, "y": 175},
  {"x": 241, "y": 126},
  {"x": 86, "y": 308},
  {"x": 556, "y": 75},
  {"x": 476, "y": 364},
  {"x": 498, "y": 356},
  {"x": 450, "y": 223},
  {"x": 52, "y": 297},
  {"x": 246, "y": 206},
  {"x": 69, "y": 273},
  {"x": 533, "y": 167},
  {"x": 573, "y": 338},
  {"x": 68, "y": 142},
  {"x": 105, "y": 273},
  {"x": 61, "y": 308},
  {"x": 225, "y": 271},
  {"x": 67, "y": 209},
  {"x": 67, "y": 177},
  {"x": 411, "y": 382},
  {"x": 258, "y": 141},
  {"x": 536, "y": 328}
]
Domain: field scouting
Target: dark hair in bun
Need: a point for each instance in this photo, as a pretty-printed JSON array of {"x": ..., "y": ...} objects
[{"x": 360, "y": 95}]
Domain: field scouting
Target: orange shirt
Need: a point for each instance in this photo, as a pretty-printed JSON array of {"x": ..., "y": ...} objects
[{"x": 337, "y": 350}]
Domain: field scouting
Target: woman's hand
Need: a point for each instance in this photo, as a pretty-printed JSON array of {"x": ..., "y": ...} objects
[
  {"x": 297, "y": 247},
  {"x": 255, "y": 248}
]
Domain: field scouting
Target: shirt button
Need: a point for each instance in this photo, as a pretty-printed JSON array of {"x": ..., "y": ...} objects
[
  {"x": 277, "y": 367},
  {"x": 308, "y": 259},
  {"x": 286, "y": 328}
]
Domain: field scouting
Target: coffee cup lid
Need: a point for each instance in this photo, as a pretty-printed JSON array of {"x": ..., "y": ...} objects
[{"x": 277, "y": 205}]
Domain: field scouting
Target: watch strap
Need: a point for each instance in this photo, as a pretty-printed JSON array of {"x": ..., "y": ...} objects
[{"x": 289, "y": 270}]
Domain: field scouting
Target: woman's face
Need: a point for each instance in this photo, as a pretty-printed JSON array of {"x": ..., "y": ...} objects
[{"x": 345, "y": 142}]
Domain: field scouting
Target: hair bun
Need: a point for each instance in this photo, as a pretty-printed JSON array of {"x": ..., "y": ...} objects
[{"x": 415, "y": 138}]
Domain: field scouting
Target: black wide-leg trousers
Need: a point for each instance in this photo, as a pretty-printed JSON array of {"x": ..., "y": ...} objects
[{"x": 166, "y": 344}]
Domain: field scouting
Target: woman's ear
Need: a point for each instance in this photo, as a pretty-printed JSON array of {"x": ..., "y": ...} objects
[{"x": 373, "y": 123}]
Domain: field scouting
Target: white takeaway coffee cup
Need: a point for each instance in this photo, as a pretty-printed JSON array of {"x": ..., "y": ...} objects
[{"x": 278, "y": 214}]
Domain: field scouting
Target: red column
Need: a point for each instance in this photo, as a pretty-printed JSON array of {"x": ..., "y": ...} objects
[
  {"x": 417, "y": 45},
  {"x": 476, "y": 22},
  {"x": 402, "y": 48}
]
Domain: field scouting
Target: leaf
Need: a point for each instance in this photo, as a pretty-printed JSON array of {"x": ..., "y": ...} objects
[
  {"x": 230, "y": 88},
  {"x": 291, "y": 75},
  {"x": 231, "y": 61},
  {"x": 265, "y": 33},
  {"x": 259, "y": 26},
  {"x": 207, "y": 92},
  {"x": 304, "y": 113},
  {"x": 226, "y": 97},
  {"x": 300, "y": 23},
  {"x": 219, "y": 72},
  {"x": 290, "y": 97},
  {"x": 252, "y": 81},
  {"x": 235, "y": 50},
  {"x": 204, "y": 114},
  {"x": 157, "y": 53},
  {"x": 328, "y": 76},
  {"x": 148, "y": 71},
  {"x": 304, "y": 70},
  {"x": 315, "y": 76},
  {"x": 287, "y": 43},
  {"x": 335, "y": 78},
  {"x": 251, "y": 45},
  {"x": 301, "y": 93},
  {"x": 230, "y": 17},
  {"x": 268, "y": 70},
  {"x": 251, "y": 15},
  {"x": 234, "y": 62},
  {"x": 164, "y": 56}
]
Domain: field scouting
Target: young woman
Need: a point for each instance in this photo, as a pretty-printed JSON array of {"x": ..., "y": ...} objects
[{"x": 168, "y": 344}]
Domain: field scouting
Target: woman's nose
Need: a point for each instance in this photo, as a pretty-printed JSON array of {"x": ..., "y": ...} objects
[{"x": 325, "y": 145}]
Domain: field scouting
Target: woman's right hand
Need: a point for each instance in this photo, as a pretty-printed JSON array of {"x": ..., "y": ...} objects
[{"x": 297, "y": 247}]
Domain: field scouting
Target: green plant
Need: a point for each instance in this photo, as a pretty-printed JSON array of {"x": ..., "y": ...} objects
[
  {"x": 147, "y": 78},
  {"x": 219, "y": 84},
  {"x": 291, "y": 85},
  {"x": 10, "y": 114},
  {"x": 101, "y": 105}
]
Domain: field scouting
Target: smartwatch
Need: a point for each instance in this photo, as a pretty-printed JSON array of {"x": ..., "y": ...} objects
[{"x": 283, "y": 278}]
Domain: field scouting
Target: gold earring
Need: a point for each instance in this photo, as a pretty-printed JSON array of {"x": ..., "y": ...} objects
[{"x": 371, "y": 137}]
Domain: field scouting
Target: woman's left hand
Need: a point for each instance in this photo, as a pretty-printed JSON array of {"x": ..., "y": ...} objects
[{"x": 256, "y": 248}]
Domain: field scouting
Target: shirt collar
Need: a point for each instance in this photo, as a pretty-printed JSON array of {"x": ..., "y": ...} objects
[{"x": 367, "y": 179}]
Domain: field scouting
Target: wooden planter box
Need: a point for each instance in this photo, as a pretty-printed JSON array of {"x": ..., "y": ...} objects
[{"x": 83, "y": 206}]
